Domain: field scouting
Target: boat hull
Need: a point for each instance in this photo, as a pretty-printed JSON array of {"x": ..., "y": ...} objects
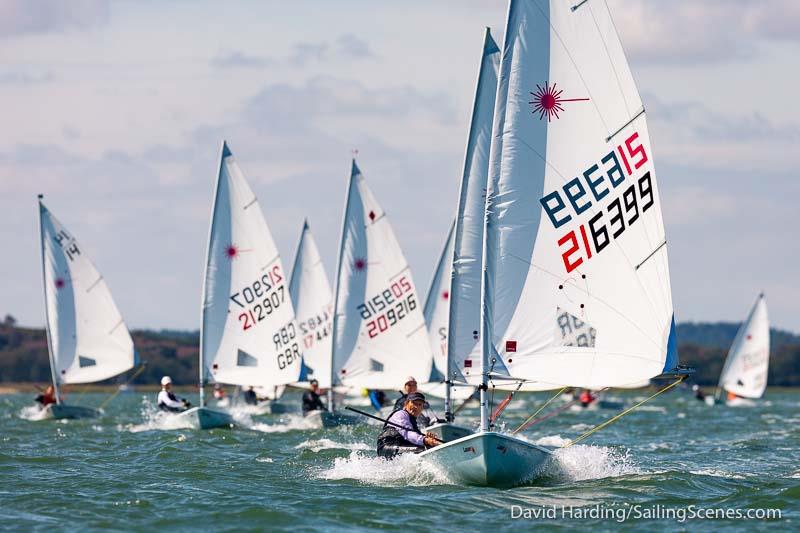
[
  {"x": 326, "y": 419},
  {"x": 207, "y": 418},
  {"x": 69, "y": 412},
  {"x": 489, "y": 459},
  {"x": 448, "y": 432}
]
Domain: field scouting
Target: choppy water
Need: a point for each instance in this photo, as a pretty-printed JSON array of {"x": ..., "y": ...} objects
[{"x": 132, "y": 470}]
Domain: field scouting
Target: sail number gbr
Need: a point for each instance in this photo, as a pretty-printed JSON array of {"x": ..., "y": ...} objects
[
  {"x": 388, "y": 307},
  {"x": 608, "y": 223},
  {"x": 260, "y": 298}
]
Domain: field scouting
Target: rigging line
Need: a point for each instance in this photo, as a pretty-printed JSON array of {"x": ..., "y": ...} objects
[
  {"x": 623, "y": 413},
  {"x": 119, "y": 389},
  {"x": 523, "y": 425},
  {"x": 574, "y": 64},
  {"x": 614, "y": 24},
  {"x": 552, "y": 413},
  {"x": 611, "y": 61}
]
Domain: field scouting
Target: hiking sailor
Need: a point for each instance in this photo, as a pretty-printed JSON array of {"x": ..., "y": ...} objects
[
  {"x": 167, "y": 401},
  {"x": 311, "y": 399},
  {"x": 407, "y": 437}
]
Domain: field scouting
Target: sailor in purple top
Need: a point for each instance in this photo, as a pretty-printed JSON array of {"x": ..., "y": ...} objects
[{"x": 401, "y": 433}]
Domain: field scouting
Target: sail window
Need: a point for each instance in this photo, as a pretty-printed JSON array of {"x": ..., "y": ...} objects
[
  {"x": 245, "y": 359},
  {"x": 86, "y": 361}
]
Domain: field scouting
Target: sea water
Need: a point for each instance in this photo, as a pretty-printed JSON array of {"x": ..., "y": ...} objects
[{"x": 137, "y": 469}]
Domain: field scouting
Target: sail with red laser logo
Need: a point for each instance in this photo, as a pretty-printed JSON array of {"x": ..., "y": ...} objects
[
  {"x": 577, "y": 289},
  {"x": 249, "y": 335},
  {"x": 379, "y": 333}
]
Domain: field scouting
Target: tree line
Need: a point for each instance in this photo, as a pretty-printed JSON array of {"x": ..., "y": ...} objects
[{"x": 23, "y": 354}]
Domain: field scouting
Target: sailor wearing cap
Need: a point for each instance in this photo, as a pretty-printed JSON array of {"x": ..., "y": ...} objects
[
  {"x": 409, "y": 387},
  {"x": 168, "y": 401},
  {"x": 401, "y": 433}
]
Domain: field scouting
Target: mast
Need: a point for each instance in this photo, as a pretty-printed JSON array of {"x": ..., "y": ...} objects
[
  {"x": 331, "y": 405},
  {"x": 47, "y": 310}
]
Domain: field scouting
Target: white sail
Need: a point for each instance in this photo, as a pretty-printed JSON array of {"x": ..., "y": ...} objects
[
  {"x": 249, "y": 335},
  {"x": 88, "y": 338},
  {"x": 313, "y": 303},
  {"x": 465, "y": 288},
  {"x": 437, "y": 306},
  {"x": 379, "y": 333},
  {"x": 577, "y": 288},
  {"x": 745, "y": 370}
]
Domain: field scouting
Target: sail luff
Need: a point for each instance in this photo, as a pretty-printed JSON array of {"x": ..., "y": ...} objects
[
  {"x": 53, "y": 373},
  {"x": 201, "y": 354},
  {"x": 337, "y": 290},
  {"x": 465, "y": 282}
]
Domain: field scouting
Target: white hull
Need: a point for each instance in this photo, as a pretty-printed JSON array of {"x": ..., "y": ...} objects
[
  {"x": 709, "y": 400},
  {"x": 61, "y": 411},
  {"x": 326, "y": 419},
  {"x": 490, "y": 459},
  {"x": 207, "y": 418},
  {"x": 449, "y": 432}
]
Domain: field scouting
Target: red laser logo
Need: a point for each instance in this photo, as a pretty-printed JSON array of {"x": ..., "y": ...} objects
[{"x": 547, "y": 101}]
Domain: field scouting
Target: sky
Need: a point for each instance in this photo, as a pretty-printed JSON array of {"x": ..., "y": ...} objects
[{"x": 115, "y": 110}]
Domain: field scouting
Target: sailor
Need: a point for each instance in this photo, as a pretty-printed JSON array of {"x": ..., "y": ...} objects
[
  {"x": 586, "y": 397},
  {"x": 401, "y": 433},
  {"x": 47, "y": 397},
  {"x": 409, "y": 387},
  {"x": 167, "y": 401},
  {"x": 250, "y": 397},
  {"x": 698, "y": 393},
  {"x": 311, "y": 399},
  {"x": 377, "y": 398}
]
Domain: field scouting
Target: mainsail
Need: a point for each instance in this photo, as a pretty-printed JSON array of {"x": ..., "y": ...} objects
[
  {"x": 249, "y": 335},
  {"x": 437, "y": 308},
  {"x": 379, "y": 333},
  {"x": 465, "y": 284},
  {"x": 313, "y": 303},
  {"x": 745, "y": 370},
  {"x": 88, "y": 338},
  {"x": 577, "y": 289}
]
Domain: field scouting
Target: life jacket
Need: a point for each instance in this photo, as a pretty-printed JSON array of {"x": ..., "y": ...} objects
[
  {"x": 586, "y": 398},
  {"x": 391, "y": 442}
]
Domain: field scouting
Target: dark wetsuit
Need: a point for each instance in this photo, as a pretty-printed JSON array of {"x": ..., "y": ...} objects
[
  {"x": 312, "y": 402},
  {"x": 393, "y": 442},
  {"x": 250, "y": 397},
  {"x": 174, "y": 408}
]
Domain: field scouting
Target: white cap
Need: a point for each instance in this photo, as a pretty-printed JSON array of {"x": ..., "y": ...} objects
[
  {"x": 410, "y": 379},
  {"x": 166, "y": 380}
]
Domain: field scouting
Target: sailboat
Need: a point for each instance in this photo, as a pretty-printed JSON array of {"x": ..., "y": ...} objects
[
  {"x": 379, "y": 332},
  {"x": 87, "y": 339},
  {"x": 248, "y": 334},
  {"x": 572, "y": 224},
  {"x": 744, "y": 375},
  {"x": 313, "y": 300}
]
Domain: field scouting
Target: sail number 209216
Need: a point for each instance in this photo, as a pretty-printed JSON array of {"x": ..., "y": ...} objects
[{"x": 388, "y": 307}]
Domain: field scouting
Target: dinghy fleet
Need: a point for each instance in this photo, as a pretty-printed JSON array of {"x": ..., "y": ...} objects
[{"x": 554, "y": 272}]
